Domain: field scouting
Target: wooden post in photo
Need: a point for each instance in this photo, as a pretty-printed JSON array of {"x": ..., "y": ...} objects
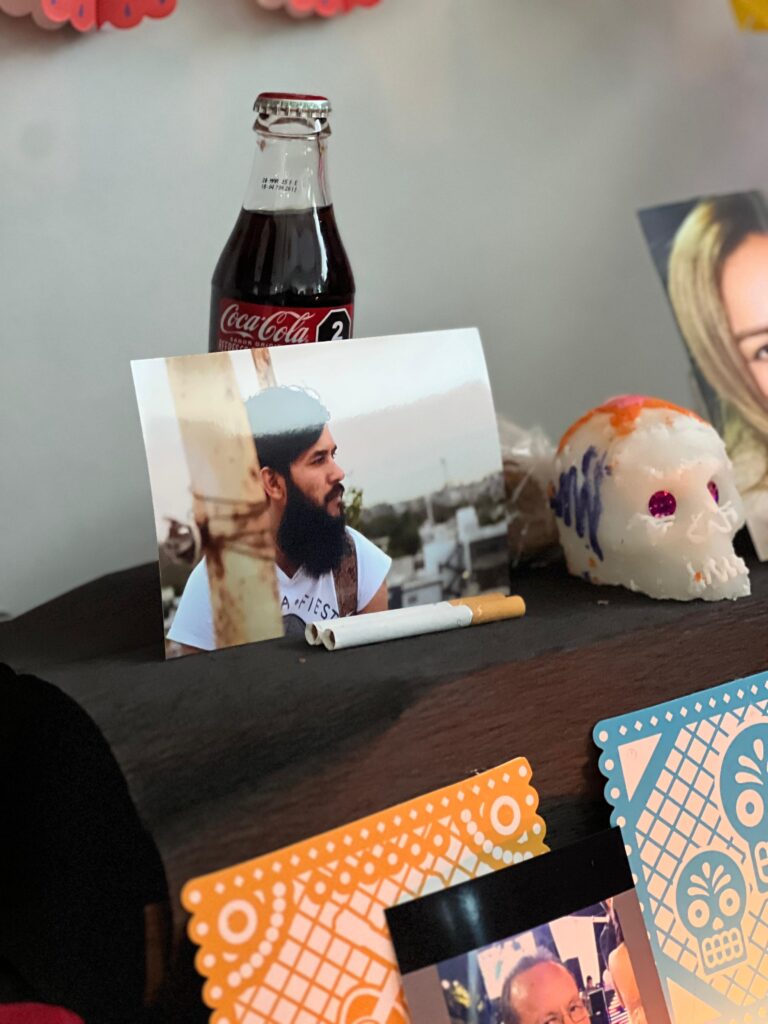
[
  {"x": 229, "y": 503},
  {"x": 264, "y": 371}
]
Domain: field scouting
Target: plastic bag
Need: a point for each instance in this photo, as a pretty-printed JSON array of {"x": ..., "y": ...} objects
[{"x": 528, "y": 461}]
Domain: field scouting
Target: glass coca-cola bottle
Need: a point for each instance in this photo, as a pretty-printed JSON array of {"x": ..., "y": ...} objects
[{"x": 284, "y": 277}]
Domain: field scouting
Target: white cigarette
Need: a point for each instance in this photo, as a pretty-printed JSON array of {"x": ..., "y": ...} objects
[
  {"x": 314, "y": 631},
  {"x": 393, "y": 625},
  {"x": 376, "y": 627}
]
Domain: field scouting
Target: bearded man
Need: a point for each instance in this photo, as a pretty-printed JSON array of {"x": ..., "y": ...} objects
[{"x": 325, "y": 569}]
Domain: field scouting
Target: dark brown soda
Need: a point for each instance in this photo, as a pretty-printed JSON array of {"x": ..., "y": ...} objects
[{"x": 283, "y": 258}]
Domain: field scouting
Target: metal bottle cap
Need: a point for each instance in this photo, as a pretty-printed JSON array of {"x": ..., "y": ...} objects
[
  {"x": 291, "y": 104},
  {"x": 290, "y": 115}
]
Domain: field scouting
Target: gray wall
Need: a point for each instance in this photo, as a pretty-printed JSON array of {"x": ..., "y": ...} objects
[{"x": 488, "y": 157}]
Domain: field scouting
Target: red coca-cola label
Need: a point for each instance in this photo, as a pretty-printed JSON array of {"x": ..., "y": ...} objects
[{"x": 249, "y": 325}]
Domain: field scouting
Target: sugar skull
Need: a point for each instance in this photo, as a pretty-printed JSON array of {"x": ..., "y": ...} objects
[
  {"x": 644, "y": 498},
  {"x": 744, "y": 794},
  {"x": 711, "y": 901}
]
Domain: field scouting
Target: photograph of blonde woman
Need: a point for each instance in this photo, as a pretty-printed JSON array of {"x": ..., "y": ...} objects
[
  {"x": 621, "y": 970},
  {"x": 712, "y": 254}
]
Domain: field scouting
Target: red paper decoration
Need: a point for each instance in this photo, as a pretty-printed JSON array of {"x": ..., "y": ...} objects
[
  {"x": 85, "y": 15},
  {"x": 325, "y": 8},
  {"x": 21, "y": 8}
]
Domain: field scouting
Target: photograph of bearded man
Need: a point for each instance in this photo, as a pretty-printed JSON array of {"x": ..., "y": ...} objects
[{"x": 325, "y": 569}]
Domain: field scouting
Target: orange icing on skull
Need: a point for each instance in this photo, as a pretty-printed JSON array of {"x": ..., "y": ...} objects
[{"x": 624, "y": 411}]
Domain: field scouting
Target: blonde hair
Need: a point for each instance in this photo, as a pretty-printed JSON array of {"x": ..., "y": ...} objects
[{"x": 705, "y": 239}]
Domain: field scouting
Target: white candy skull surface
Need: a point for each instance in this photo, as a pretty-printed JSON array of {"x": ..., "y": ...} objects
[{"x": 644, "y": 498}]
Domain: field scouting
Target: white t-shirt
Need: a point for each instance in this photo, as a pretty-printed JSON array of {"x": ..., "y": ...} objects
[{"x": 302, "y": 599}]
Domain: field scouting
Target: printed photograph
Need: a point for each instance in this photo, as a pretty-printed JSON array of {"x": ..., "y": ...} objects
[
  {"x": 712, "y": 256},
  {"x": 576, "y": 969},
  {"x": 541, "y": 942},
  {"x": 309, "y": 482}
]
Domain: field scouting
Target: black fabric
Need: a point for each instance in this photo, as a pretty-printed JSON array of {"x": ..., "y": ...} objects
[{"x": 76, "y": 865}]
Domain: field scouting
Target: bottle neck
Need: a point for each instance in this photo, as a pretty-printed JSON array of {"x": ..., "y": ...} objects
[{"x": 289, "y": 173}]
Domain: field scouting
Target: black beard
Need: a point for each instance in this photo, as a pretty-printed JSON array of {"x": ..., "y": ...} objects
[{"x": 309, "y": 535}]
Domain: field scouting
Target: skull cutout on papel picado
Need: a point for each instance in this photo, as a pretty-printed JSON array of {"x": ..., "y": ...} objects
[
  {"x": 644, "y": 498},
  {"x": 744, "y": 794},
  {"x": 711, "y": 902}
]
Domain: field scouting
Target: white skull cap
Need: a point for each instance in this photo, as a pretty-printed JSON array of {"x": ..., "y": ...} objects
[{"x": 644, "y": 498}]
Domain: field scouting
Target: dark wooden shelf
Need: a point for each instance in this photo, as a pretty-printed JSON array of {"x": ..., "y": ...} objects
[{"x": 233, "y": 754}]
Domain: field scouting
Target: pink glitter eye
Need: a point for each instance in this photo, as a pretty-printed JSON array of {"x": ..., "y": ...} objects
[
  {"x": 712, "y": 488},
  {"x": 661, "y": 504}
]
